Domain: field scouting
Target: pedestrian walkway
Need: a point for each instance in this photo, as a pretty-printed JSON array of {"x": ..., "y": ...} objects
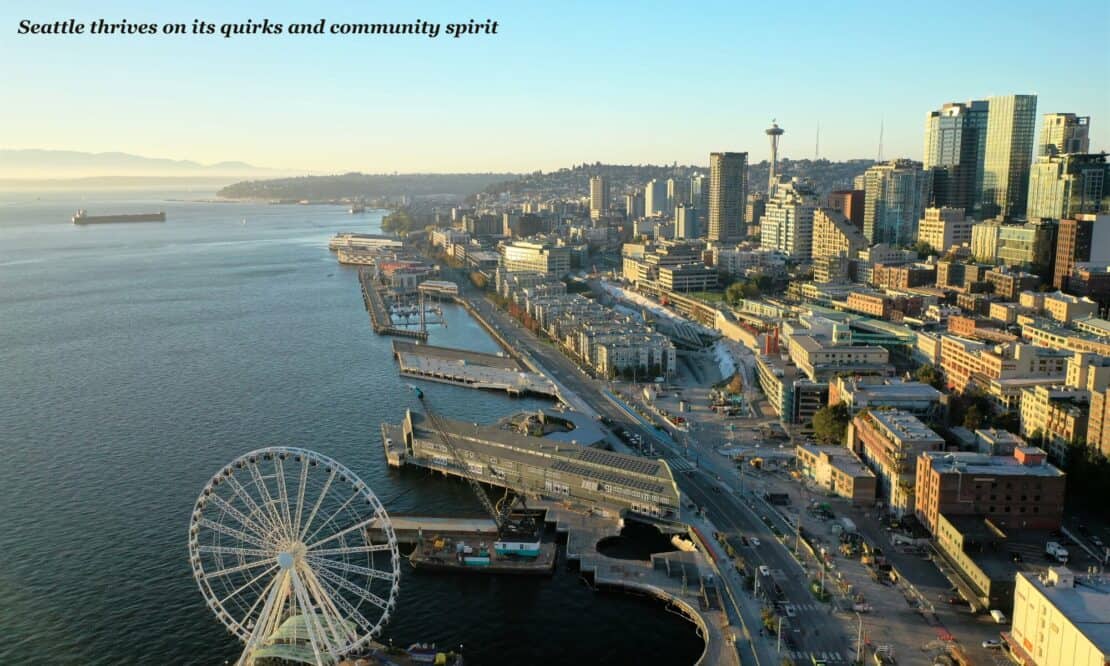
[{"x": 801, "y": 657}]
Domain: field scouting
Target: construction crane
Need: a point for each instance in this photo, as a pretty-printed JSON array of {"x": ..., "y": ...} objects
[{"x": 509, "y": 529}]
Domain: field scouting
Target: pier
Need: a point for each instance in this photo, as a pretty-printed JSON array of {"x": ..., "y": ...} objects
[
  {"x": 470, "y": 369},
  {"x": 380, "y": 318},
  {"x": 557, "y": 465}
]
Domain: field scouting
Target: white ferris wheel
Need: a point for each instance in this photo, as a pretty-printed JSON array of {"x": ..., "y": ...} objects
[{"x": 295, "y": 555}]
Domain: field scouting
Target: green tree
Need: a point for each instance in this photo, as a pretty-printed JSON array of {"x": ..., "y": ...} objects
[
  {"x": 928, "y": 374},
  {"x": 830, "y": 423},
  {"x": 735, "y": 292},
  {"x": 399, "y": 221},
  {"x": 923, "y": 249}
]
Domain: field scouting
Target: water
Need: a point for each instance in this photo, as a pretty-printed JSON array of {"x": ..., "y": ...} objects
[{"x": 135, "y": 360}]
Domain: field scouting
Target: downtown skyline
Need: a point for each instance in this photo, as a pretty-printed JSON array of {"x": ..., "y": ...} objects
[{"x": 555, "y": 87}]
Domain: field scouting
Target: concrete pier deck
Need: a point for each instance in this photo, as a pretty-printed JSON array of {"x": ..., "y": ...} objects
[
  {"x": 471, "y": 369},
  {"x": 407, "y": 528}
]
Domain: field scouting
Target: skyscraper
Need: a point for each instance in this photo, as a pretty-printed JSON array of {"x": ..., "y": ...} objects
[
  {"x": 686, "y": 222},
  {"x": 1086, "y": 238},
  {"x": 655, "y": 197},
  {"x": 634, "y": 205},
  {"x": 849, "y": 203},
  {"x": 1067, "y": 184},
  {"x": 955, "y": 146},
  {"x": 787, "y": 223},
  {"x": 678, "y": 192},
  {"x": 699, "y": 192},
  {"x": 728, "y": 185},
  {"x": 1011, "y": 121},
  {"x": 895, "y": 197},
  {"x": 599, "y": 196},
  {"x": 1063, "y": 133}
]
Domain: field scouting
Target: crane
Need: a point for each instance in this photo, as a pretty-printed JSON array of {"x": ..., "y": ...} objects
[{"x": 509, "y": 530}]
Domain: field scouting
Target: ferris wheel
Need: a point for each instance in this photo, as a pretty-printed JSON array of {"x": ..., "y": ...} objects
[{"x": 295, "y": 555}]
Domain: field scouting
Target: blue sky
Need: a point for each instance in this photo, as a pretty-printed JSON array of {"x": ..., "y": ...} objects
[{"x": 562, "y": 83}]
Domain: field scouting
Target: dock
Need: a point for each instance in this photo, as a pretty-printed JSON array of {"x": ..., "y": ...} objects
[
  {"x": 470, "y": 369},
  {"x": 409, "y": 528},
  {"x": 380, "y": 318}
]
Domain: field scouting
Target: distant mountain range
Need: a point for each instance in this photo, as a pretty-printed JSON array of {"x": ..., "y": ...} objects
[{"x": 36, "y": 164}]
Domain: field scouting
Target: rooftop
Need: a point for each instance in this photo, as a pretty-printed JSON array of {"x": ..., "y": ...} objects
[
  {"x": 970, "y": 462},
  {"x": 840, "y": 457},
  {"x": 1086, "y": 604},
  {"x": 904, "y": 425}
]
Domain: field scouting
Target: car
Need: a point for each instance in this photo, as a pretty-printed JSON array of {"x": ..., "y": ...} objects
[
  {"x": 754, "y": 542},
  {"x": 992, "y": 644},
  {"x": 1097, "y": 541},
  {"x": 764, "y": 570}
]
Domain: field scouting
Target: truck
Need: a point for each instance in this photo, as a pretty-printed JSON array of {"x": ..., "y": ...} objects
[{"x": 1056, "y": 551}]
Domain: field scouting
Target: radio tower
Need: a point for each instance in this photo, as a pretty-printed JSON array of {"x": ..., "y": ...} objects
[{"x": 773, "y": 132}]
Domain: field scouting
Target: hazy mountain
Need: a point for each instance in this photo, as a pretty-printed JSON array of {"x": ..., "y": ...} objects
[{"x": 65, "y": 164}]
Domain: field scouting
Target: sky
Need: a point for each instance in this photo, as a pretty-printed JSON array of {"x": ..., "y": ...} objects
[{"x": 561, "y": 83}]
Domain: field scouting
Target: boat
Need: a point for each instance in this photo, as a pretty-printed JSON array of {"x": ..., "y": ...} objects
[
  {"x": 82, "y": 217},
  {"x": 357, "y": 208}
]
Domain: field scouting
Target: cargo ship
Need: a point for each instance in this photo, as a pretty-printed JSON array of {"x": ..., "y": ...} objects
[{"x": 82, "y": 217}]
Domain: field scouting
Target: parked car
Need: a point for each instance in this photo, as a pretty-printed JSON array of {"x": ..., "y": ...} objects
[{"x": 992, "y": 644}]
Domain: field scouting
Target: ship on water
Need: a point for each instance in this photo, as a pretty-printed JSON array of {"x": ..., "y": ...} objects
[{"x": 82, "y": 217}]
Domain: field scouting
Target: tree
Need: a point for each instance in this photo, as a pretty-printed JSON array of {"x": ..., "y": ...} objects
[
  {"x": 399, "y": 221},
  {"x": 735, "y": 292},
  {"x": 736, "y": 384},
  {"x": 923, "y": 249},
  {"x": 830, "y": 423},
  {"x": 928, "y": 374},
  {"x": 973, "y": 417}
]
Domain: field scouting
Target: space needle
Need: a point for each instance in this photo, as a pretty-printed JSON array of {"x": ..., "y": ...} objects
[{"x": 773, "y": 132}]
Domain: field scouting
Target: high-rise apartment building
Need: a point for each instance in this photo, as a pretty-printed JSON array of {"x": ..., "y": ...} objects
[
  {"x": 955, "y": 145},
  {"x": 677, "y": 193},
  {"x": 686, "y": 222},
  {"x": 699, "y": 191},
  {"x": 1063, "y": 133},
  {"x": 599, "y": 196},
  {"x": 1066, "y": 185},
  {"x": 1011, "y": 123},
  {"x": 835, "y": 236},
  {"x": 895, "y": 196},
  {"x": 728, "y": 189},
  {"x": 941, "y": 228},
  {"x": 787, "y": 223},
  {"x": 634, "y": 205},
  {"x": 754, "y": 209},
  {"x": 1082, "y": 239},
  {"x": 655, "y": 198},
  {"x": 848, "y": 203}
]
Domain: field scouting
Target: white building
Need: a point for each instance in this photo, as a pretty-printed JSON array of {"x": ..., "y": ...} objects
[{"x": 787, "y": 223}]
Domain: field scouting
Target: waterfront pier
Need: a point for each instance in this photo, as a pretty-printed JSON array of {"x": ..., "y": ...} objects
[
  {"x": 471, "y": 369},
  {"x": 380, "y": 318}
]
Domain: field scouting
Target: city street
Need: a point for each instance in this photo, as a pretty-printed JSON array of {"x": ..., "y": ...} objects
[{"x": 816, "y": 632}]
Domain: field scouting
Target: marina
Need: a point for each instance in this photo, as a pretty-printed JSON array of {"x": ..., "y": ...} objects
[{"x": 380, "y": 318}]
